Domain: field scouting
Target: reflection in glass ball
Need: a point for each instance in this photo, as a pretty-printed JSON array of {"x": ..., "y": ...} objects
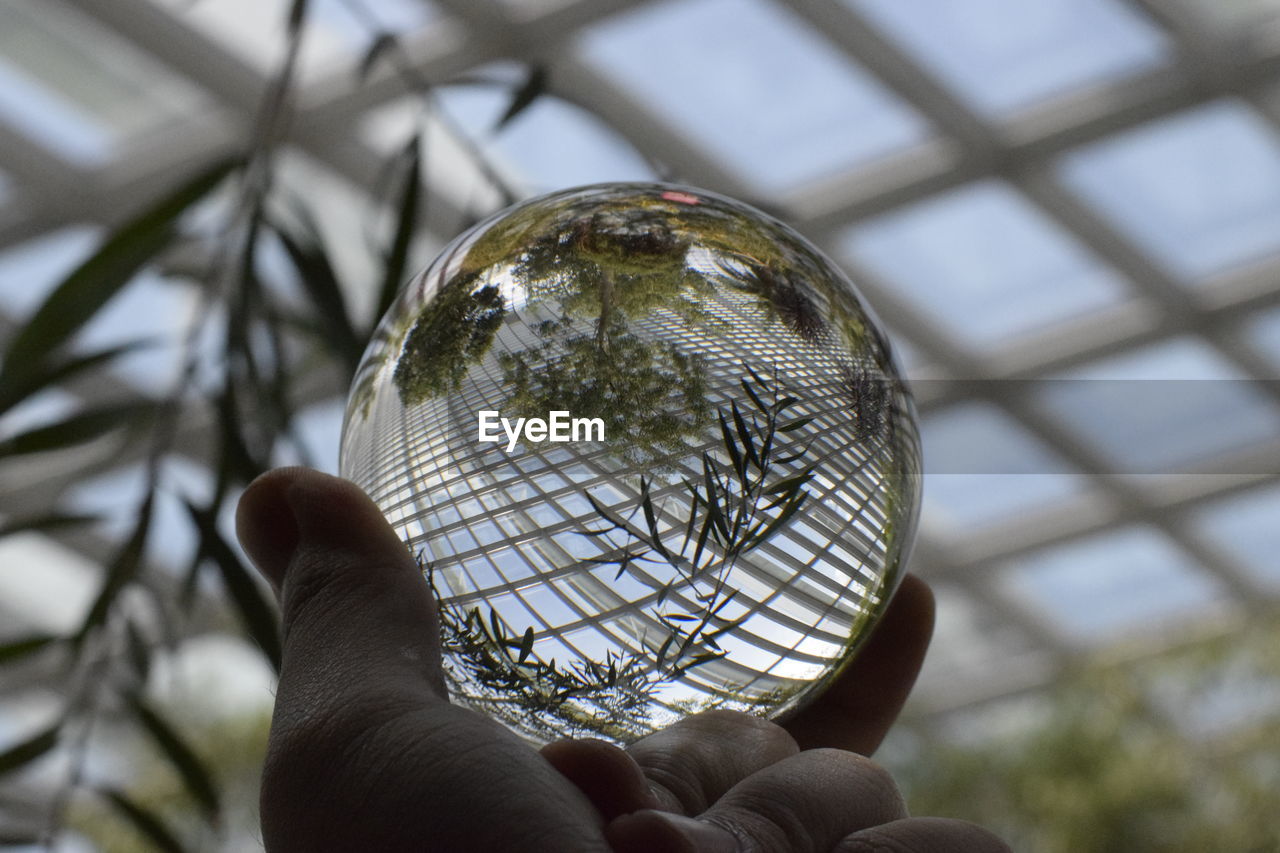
[{"x": 652, "y": 452}]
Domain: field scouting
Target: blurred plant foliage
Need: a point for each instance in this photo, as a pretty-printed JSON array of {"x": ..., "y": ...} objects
[{"x": 1180, "y": 754}]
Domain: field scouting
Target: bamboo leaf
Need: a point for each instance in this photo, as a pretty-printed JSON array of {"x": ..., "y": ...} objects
[
  {"x": 773, "y": 526},
  {"x": 735, "y": 455},
  {"x": 790, "y": 484},
  {"x": 147, "y": 823},
  {"x": 195, "y": 776},
  {"x": 15, "y": 650},
  {"x": 534, "y": 86},
  {"x": 23, "y": 753},
  {"x": 396, "y": 258},
  {"x": 321, "y": 283},
  {"x": 526, "y": 645},
  {"x": 746, "y": 386},
  {"x": 745, "y": 434},
  {"x": 92, "y": 284},
  {"x": 798, "y": 423},
  {"x": 256, "y": 615},
  {"x": 122, "y": 569},
  {"x": 79, "y": 428},
  {"x": 651, "y": 520},
  {"x": 664, "y": 648},
  {"x": 604, "y": 513},
  {"x": 32, "y": 379}
]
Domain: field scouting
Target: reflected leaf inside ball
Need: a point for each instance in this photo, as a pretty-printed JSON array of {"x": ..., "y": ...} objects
[{"x": 652, "y": 453}]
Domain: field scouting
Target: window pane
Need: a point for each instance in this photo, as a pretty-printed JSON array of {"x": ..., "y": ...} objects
[
  {"x": 1002, "y": 55},
  {"x": 753, "y": 85},
  {"x": 985, "y": 264},
  {"x": 1161, "y": 408},
  {"x": 1200, "y": 191},
  {"x": 1247, "y": 527},
  {"x": 1123, "y": 582}
]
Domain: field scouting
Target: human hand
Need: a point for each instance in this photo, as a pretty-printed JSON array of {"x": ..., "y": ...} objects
[{"x": 366, "y": 753}]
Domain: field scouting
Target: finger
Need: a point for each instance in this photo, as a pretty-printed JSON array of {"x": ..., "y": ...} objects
[
  {"x": 856, "y": 711},
  {"x": 609, "y": 777},
  {"x": 923, "y": 835},
  {"x": 807, "y": 803},
  {"x": 359, "y": 619},
  {"x": 690, "y": 764}
]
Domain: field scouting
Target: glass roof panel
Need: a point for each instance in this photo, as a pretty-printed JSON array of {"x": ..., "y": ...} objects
[
  {"x": 985, "y": 264},
  {"x": 753, "y": 85},
  {"x": 1247, "y": 527},
  {"x": 552, "y": 145},
  {"x": 1003, "y": 55},
  {"x": 255, "y": 30},
  {"x": 80, "y": 90},
  {"x": 1199, "y": 191},
  {"x": 982, "y": 467},
  {"x": 1159, "y": 408},
  {"x": 1122, "y": 582}
]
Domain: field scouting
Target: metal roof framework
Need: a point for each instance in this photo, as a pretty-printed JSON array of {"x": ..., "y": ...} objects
[{"x": 1023, "y": 151}]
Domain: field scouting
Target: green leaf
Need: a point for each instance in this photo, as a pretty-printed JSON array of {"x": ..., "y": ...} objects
[
  {"x": 745, "y": 434},
  {"x": 75, "y": 301},
  {"x": 122, "y": 569},
  {"x": 148, "y": 824},
  {"x": 651, "y": 520},
  {"x": 256, "y": 615},
  {"x": 195, "y": 777},
  {"x": 735, "y": 455},
  {"x": 790, "y": 484},
  {"x": 31, "y": 379},
  {"x": 79, "y": 428},
  {"x": 526, "y": 645},
  {"x": 534, "y": 86},
  {"x": 396, "y": 258},
  {"x": 21, "y": 754},
  {"x": 23, "y": 647},
  {"x": 798, "y": 423},
  {"x": 321, "y": 283},
  {"x": 773, "y": 526},
  {"x": 381, "y": 43},
  {"x": 746, "y": 386}
]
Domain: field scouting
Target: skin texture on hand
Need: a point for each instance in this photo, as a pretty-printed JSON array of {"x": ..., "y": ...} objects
[{"x": 367, "y": 754}]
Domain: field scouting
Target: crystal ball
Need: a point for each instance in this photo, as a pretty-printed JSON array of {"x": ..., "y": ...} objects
[{"x": 652, "y": 453}]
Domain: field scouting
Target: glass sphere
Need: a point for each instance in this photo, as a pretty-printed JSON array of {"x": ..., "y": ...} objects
[{"x": 652, "y": 453}]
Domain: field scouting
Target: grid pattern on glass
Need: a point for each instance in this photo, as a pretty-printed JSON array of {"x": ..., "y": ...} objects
[
  {"x": 985, "y": 264},
  {"x": 499, "y": 528},
  {"x": 722, "y": 59},
  {"x": 1004, "y": 55},
  {"x": 53, "y": 187},
  {"x": 1199, "y": 191}
]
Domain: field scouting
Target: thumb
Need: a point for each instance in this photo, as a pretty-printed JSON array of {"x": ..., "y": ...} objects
[{"x": 359, "y": 618}]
